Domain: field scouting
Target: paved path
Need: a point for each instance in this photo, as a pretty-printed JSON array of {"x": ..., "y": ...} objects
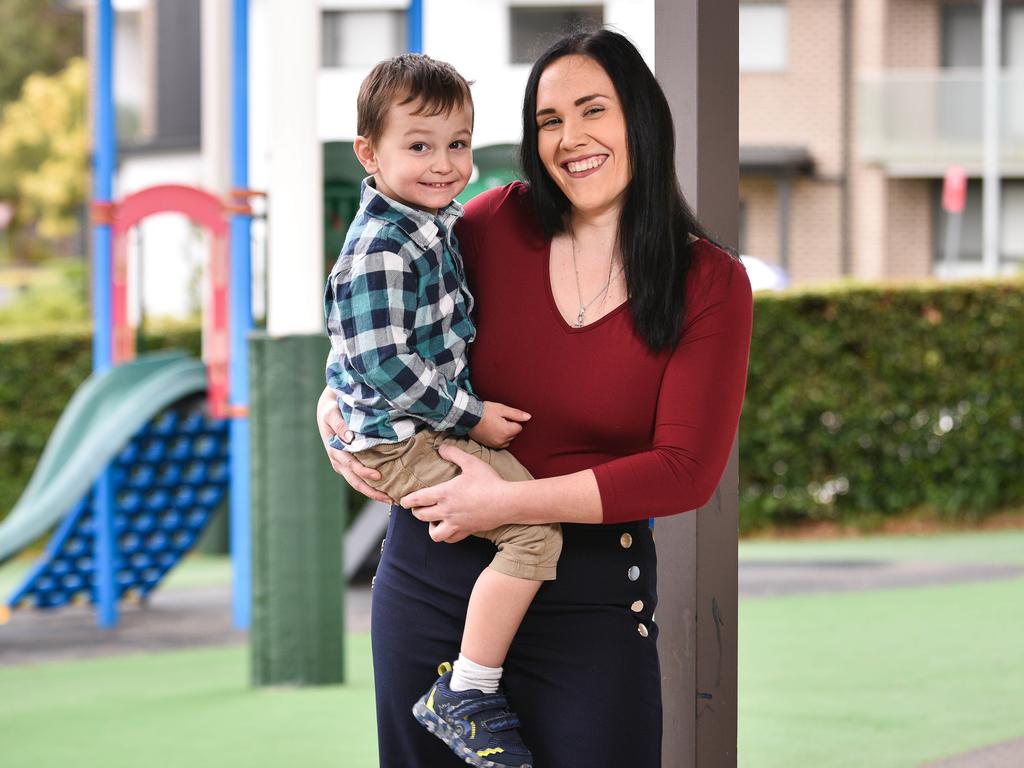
[
  {"x": 771, "y": 578},
  {"x": 174, "y": 619},
  {"x": 196, "y": 616},
  {"x": 1008, "y": 754}
]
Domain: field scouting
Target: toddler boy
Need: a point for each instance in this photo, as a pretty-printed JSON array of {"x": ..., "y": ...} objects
[{"x": 398, "y": 315}]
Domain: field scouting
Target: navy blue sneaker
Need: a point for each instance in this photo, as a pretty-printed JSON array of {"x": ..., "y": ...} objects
[{"x": 477, "y": 726}]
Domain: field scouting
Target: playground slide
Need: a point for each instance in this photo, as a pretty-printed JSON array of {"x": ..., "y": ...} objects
[{"x": 103, "y": 415}]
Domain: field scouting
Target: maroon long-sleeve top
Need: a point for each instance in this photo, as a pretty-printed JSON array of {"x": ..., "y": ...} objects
[{"x": 656, "y": 428}]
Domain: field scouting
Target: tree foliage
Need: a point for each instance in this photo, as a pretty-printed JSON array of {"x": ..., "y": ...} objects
[
  {"x": 44, "y": 150},
  {"x": 35, "y": 36}
]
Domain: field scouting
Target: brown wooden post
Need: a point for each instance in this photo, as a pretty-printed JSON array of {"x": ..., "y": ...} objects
[{"x": 697, "y": 61}]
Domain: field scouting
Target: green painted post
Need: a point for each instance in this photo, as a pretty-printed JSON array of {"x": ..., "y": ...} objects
[{"x": 298, "y": 515}]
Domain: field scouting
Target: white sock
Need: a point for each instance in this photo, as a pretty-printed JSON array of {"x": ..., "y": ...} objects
[{"x": 467, "y": 674}]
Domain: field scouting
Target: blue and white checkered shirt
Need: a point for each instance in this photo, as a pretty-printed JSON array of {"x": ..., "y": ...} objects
[{"x": 398, "y": 315}]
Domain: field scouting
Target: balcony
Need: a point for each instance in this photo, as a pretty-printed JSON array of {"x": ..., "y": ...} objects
[{"x": 917, "y": 123}]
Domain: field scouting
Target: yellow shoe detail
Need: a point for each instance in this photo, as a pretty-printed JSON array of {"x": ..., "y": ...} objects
[
  {"x": 491, "y": 751},
  {"x": 5, "y": 614},
  {"x": 443, "y": 667},
  {"x": 430, "y": 700},
  {"x": 472, "y": 729}
]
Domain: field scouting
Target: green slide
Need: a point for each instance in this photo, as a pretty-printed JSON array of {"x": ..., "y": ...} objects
[{"x": 100, "y": 419}]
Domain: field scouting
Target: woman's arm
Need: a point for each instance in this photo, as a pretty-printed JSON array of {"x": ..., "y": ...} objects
[
  {"x": 479, "y": 499},
  {"x": 699, "y": 406}
]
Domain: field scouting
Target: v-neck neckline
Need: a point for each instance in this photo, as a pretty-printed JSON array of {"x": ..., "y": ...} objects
[{"x": 566, "y": 326}]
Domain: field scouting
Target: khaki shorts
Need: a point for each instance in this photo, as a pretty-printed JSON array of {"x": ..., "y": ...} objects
[{"x": 524, "y": 551}]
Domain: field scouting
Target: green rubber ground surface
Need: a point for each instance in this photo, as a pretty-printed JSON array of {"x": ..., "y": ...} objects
[
  {"x": 191, "y": 709},
  {"x": 893, "y": 677},
  {"x": 886, "y": 678}
]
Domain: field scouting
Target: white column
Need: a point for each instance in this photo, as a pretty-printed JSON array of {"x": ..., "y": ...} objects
[
  {"x": 295, "y": 177},
  {"x": 991, "y": 25},
  {"x": 215, "y": 71}
]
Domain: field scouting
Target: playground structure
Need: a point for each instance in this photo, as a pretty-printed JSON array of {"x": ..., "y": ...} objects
[
  {"x": 143, "y": 429},
  {"x": 168, "y": 479},
  {"x": 147, "y": 449}
]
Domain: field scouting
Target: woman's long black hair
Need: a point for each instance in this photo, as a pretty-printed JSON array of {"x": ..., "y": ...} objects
[{"x": 656, "y": 221}]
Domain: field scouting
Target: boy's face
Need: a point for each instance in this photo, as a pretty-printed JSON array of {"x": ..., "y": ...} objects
[{"x": 424, "y": 162}]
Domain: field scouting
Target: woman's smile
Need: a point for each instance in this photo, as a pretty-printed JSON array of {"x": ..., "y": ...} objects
[{"x": 584, "y": 166}]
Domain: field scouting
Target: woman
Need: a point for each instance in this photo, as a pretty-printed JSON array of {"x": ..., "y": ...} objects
[{"x": 606, "y": 313}]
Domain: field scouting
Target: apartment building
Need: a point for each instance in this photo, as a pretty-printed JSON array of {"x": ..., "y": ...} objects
[
  {"x": 851, "y": 111},
  {"x": 492, "y": 42},
  {"x": 172, "y": 74}
]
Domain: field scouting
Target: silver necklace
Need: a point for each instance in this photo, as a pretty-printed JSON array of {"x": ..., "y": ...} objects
[{"x": 579, "y": 291}]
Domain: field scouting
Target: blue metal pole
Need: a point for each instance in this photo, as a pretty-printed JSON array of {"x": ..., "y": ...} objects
[
  {"x": 415, "y": 21},
  {"x": 240, "y": 325},
  {"x": 104, "y": 155}
]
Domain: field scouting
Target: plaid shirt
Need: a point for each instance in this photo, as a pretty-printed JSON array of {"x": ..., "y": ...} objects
[{"x": 397, "y": 310}]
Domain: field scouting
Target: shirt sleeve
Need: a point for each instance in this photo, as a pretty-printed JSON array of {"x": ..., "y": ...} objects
[
  {"x": 698, "y": 410},
  {"x": 371, "y": 313}
]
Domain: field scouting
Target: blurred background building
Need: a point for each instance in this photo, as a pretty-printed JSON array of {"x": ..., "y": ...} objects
[{"x": 851, "y": 111}]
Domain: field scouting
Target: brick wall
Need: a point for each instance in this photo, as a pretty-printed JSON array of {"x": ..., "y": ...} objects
[
  {"x": 914, "y": 39},
  {"x": 909, "y": 227},
  {"x": 762, "y": 234},
  {"x": 802, "y": 104},
  {"x": 890, "y": 219},
  {"x": 815, "y": 233}
]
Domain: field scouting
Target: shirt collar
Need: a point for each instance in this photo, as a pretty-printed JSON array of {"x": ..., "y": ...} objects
[{"x": 420, "y": 226}]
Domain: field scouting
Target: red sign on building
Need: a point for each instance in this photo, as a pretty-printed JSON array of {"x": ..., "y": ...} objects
[{"x": 954, "y": 189}]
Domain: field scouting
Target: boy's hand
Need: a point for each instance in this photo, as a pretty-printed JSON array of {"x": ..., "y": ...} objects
[{"x": 498, "y": 425}]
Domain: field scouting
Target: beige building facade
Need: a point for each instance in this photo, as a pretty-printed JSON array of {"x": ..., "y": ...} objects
[{"x": 851, "y": 111}]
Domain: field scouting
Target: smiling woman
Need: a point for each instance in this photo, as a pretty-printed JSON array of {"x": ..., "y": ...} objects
[{"x": 604, "y": 311}]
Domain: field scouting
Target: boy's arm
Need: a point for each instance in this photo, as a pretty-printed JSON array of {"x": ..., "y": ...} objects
[
  {"x": 337, "y": 378},
  {"x": 371, "y": 314}
]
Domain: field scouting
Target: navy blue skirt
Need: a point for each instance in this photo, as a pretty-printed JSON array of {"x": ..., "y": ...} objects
[{"x": 582, "y": 673}]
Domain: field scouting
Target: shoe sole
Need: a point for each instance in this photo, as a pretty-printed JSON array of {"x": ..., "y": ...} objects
[{"x": 448, "y": 735}]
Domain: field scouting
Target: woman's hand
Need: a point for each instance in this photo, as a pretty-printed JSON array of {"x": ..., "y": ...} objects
[
  {"x": 331, "y": 425},
  {"x": 463, "y": 505}
]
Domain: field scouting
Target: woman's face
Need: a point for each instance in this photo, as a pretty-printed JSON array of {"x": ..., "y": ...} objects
[{"x": 581, "y": 134}]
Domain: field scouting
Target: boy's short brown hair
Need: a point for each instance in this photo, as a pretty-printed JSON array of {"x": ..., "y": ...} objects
[{"x": 410, "y": 77}]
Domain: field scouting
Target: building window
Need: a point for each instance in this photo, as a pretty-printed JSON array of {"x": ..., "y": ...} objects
[
  {"x": 764, "y": 37},
  {"x": 361, "y": 38},
  {"x": 1011, "y": 226},
  {"x": 962, "y": 36},
  {"x": 534, "y": 28}
]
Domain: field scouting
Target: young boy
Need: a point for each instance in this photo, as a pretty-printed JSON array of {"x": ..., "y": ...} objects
[{"x": 398, "y": 315}]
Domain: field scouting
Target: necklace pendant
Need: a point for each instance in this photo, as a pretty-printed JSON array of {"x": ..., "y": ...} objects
[{"x": 579, "y": 319}]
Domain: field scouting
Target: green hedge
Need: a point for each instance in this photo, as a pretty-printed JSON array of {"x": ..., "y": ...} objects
[
  {"x": 38, "y": 375},
  {"x": 866, "y": 402},
  {"x": 862, "y": 402}
]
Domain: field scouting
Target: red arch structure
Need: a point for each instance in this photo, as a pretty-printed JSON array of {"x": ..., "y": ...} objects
[{"x": 208, "y": 211}]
